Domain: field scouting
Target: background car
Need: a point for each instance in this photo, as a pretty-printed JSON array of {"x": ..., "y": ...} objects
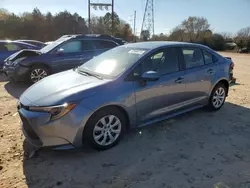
[
  {"x": 126, "y": 87},
  {"x": 33, "y": 42},
  {"x": 243, "y": 50},
  {"x": 67, "y": 52},
  {"x": 8, "y": 48}
]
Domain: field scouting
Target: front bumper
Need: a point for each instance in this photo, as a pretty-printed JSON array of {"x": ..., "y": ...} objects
[
  {"x": 17, "y": 73},
  {"x": 40, "y": 131}
]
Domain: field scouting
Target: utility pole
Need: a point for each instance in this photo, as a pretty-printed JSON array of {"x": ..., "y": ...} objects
[
  {"x": 134, "y": 26},
  {"x": 101, "y": 6},
  {"x": 112, "y": 17},
  {"x": 148, "y": 18},
  {"x": 89, "y": 17}
]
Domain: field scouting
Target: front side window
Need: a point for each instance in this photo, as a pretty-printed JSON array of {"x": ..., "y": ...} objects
[
  {"x": 72, "y": 47},
  {"x": 164, "y": 62},
  {"x": 192, "y": 57},
  {"x": 53, "y": 45}
]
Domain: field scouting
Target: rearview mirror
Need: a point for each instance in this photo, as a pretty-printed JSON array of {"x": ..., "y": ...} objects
[
  {"x": 60, "y": 51},
  {"x": 150, "y": 76}
]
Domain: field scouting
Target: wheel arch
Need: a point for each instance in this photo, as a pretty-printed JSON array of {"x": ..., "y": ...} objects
[
  {"x": 115, "y": 106},
  {"x": 223, "y": 81},
  {"x": 36, "y": 64}
]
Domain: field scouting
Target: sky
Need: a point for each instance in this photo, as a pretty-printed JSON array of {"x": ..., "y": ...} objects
[{"x": 223, "y": 15}]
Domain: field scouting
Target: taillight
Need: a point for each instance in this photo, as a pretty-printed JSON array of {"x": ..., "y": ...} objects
[{"x": 232, "y": 65}]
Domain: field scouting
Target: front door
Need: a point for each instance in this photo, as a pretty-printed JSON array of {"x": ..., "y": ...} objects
[
  {"x": 72, "y": 55},
  {"x": 154, "y": 99}
]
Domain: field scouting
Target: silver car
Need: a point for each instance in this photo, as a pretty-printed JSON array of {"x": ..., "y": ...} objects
[{"x": 129, "y": 86}]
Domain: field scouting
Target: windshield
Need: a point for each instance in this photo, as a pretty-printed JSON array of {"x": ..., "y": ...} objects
[
  {"x": 53, "y": 45},
  {"x": 113, "y": 62}
]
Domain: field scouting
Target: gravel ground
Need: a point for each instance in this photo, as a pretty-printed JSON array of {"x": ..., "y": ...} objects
[{"x": 198, "y": 149}]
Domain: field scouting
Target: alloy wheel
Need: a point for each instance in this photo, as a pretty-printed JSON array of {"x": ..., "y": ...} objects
[
  {"x": 107, "y": 130},
  {"x": 219, "y": 97},
  {"x": 37, "y": 74}
]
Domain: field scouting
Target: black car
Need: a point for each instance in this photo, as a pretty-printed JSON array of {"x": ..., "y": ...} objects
[{"x": 67, "y": 52}]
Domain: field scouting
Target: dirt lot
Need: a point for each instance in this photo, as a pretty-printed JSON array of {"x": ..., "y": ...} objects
[{"x": 198, "y": 149}]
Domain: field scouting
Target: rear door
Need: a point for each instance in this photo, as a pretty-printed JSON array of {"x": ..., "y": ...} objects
[
  {"x": 102, "y": 46},
  {"x": 200, "y": 70}
]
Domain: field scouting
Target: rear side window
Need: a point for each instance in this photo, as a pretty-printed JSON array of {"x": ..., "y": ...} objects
[
  {"x": 193, "y": 57},
  {"x": 72, "y": 47},
  {"x": 101, "y": 44},
  {"x": 208, "y": 57},
  {"x": 87, "y": 45}
]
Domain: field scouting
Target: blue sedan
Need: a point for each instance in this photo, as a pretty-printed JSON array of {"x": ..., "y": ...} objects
[
  {"x": 126, "y": 87},
  {"x": 8, "y": 48}
]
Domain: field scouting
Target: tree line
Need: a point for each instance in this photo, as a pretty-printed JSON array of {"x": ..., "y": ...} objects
[
  {"x": 47, "y": 27},
  {"x": 198, "y": 30}
]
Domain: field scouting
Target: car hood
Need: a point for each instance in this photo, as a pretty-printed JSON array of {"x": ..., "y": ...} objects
[
  {"x": 59, "y": 88},
  {"x": 23, "y": 53}
]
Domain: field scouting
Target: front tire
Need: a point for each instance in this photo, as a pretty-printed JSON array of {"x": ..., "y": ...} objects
[
  {"x": 218, "y": 97},
  {"x": 105, "y": 128},
  {"x": 37, "y": 73}
]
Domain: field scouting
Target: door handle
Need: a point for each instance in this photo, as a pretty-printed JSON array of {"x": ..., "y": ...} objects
[
  {"x": 179, "y": 80},
  {"x": 210, "y": 71}
]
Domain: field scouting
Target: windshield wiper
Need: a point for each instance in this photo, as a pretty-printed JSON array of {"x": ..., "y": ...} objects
[{"x": 89, "y": 74}]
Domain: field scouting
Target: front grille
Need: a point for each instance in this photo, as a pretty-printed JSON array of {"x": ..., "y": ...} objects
[{"x": 28, "y": 129}]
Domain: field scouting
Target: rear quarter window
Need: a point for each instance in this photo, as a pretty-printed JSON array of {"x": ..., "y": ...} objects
[{"x": 208, "y": 57}]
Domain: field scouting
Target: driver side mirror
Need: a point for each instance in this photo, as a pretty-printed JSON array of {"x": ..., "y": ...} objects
[
  {"x": 60, "y": 51},
  {"x": 150, "y": 76}
]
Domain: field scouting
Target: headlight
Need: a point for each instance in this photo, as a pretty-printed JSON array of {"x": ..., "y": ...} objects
[
  {"x": 55, "y": 111},
  {"x": 17, "y": 61}
]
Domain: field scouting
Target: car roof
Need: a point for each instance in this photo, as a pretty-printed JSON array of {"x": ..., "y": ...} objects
[
  {"x": 157, "y": 44},
  {"x": 12, "y": 41},
  {"x": 28, "y": 41},
  {"x": 17, "y": 42},
  {"x": 95, "y": 36}
]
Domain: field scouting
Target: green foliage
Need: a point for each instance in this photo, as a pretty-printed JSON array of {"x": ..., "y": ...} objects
[
  {"x": 243, "y": 38},
  {"x": 47, "y": 27},
  {"x": 145, "y": 35}
]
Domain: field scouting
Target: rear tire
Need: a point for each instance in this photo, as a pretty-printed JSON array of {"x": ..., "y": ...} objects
[
  {"x": 37, "y": 73},
  {"x": 105, "y": 128},
  {"x": 217, "y": 97}
]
